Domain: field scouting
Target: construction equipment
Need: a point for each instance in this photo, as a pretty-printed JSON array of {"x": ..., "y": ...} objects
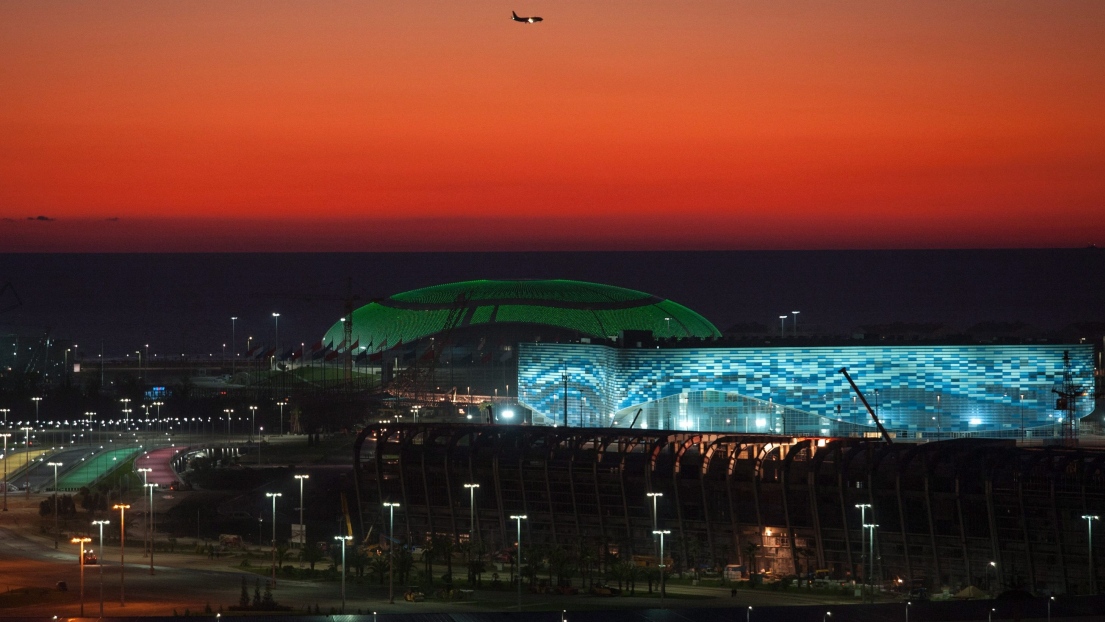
[
  {"x": 871, "y": 411},
  {"x": 1067, "y": 402}
]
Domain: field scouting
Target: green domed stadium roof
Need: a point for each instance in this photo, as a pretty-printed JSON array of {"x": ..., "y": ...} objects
[{"x": 590, "y": 309}]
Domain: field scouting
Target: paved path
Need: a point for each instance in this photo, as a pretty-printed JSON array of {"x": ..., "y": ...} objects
[
  {"x": 93, "y": 467},
  {"x": 159, "y": 460}
]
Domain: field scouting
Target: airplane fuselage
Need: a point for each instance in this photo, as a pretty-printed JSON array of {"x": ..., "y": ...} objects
[{"x": 525, "y": 20}]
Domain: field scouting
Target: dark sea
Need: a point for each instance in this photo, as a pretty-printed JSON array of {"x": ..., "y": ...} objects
[{"x": 182, "y": 303}]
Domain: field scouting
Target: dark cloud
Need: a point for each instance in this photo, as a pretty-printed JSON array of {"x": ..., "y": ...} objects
[{"x": 40, "y": 218}]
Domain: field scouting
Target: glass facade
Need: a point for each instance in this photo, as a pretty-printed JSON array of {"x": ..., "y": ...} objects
[{"x": 917, "y": 391}]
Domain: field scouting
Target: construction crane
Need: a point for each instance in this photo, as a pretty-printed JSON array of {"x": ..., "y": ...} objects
[
  {"x": 875, "y": 417},
  {"x": 1067, "y": 402}
]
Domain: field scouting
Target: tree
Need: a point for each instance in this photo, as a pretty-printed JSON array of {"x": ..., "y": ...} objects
[
  {"x": 312, "y": 554},
  {"x": 378, "y": 567},
  {"x": 749, "y": 549},
  {"x": 283, "y": 552},
  {"x": 243, "y": 600},
  {"x": 404, "y": 562}
]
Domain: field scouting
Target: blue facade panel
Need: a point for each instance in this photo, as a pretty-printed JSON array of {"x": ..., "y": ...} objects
[{"x": 987, "y": 390}]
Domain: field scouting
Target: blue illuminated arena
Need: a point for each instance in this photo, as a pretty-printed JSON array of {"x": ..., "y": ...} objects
[{"x": 918, "y": 391}]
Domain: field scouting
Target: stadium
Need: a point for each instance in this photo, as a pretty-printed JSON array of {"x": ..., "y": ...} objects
[
  {"x": 638, "y": 415},
  {"x": 575, "y": 354}
]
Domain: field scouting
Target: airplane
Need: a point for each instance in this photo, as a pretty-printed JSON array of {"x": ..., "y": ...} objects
[{"x": 527, "y": 20}]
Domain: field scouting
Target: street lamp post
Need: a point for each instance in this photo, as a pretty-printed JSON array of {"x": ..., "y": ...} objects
[
  {"x": 233, "y": 344},
  {"x": 56, "y": 531},
  {"x": 281, "y": 404},
  {"x": 871, "y": 548},
  {"x": 147, "y": 532},
  {"x": 825, "y": 618},
  {"x": 101, "y": 524},
  {"x": 661, "y": 533},
  {"x": 1090, "y": 518},
  {"x": 1050, "y": 600},
  {"x": 519, "y": 518},
  {"x": 252, "y": 422},
  {"x": 273, "y": 496},
  {"x": 343, "y": 539},
  {"x": 748, "y": 614},
  {"x": 5, "y": 437},
  {"x": 782, "y": 325},
  {"x": 122, "y": 507},
  {"x": 36, "y": 400},
  {"x": 302, "y": 527},
  {"x": 990, "y": 615},
  {"x": 863, "y": 507},
  {"x": 391, "y": 550},
  {"x": 796, "y": 327},
  {"x": 153, "y": 540},
  {"x": 471, "y": 524},
  {"x": 276, "y": 321},
  {"x": 908, "y": 604},
  {"x": 27, "y": 446},
  {"x": 81, "y": 542}
]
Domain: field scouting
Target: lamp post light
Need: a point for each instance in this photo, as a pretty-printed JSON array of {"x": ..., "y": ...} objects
[
  {"x": 519, "y": 518},
  {"x": 27, "y": 446},
  {"x": 795, "y": 313},
  {"x": 276, "y": 321},
  {"x": 252, "y": 422},
  {"x": 782, "y": 325},
  {"x": 908, "y": 604},
  {"x": 863, "y": 507},
  {"x": 990, "y": 615},
  {"x": 825, "y": 618},
  {"x": 150, "y": 521},
  {"x": 471, "y": 523},
  {"x": 147, "y": 532},
  {"x": 748, "y": 615},
  {"x": 122, "y": 507},
  {"x": 1050, "y": 600},
  {"x": 994, "y": 567},
  {"x": 1090, "y": 518},
  {"x": 5, "y": 411},
  {"x": 391, "y": 550},
  {"x": 282, "y": 404},
  {"x": 343, "y": 539},
  {"x": 56, "y": 531},
  {"x": 273, "y": 496},
  {"x": 36, "y": 400},
  {"x": 661, "y": 533},
  {"x": 871, "y": 548},
  {"x": 5, "y": 437},
  {"x": 259, "y": 437},
  {"x": 81, "y": 542},
  {"x": 301, "y": 526},
  {"x": 233, "y": 343},
  {"x": 101, "y": 524}
]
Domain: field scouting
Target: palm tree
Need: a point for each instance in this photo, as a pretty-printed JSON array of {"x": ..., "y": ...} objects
[
  {"x": 311, "y": 554},
  {"x": 749, "y": 549},
  {"x": 378, "y": 567}
]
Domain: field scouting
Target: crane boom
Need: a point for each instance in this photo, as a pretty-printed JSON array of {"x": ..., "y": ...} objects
[{"x": 871, "y": 411}]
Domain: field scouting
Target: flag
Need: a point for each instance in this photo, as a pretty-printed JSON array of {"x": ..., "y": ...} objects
[
  {"x": 253, "y": 351},
  {"x": 333, "y": 354},
  {"x": 287, "y": 354},
  {"x": 267, "y": 354},
  {"x": 317, "y": 346}
]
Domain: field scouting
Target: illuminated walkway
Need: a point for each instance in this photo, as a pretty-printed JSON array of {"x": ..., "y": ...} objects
[
  {"x": 17, "y": 459},
  {"x": 159, "y": 460},
  {"x": 94, "y": 468}
]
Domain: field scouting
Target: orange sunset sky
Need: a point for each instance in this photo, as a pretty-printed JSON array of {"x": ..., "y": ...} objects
[{"x": 349, "y": 125}]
